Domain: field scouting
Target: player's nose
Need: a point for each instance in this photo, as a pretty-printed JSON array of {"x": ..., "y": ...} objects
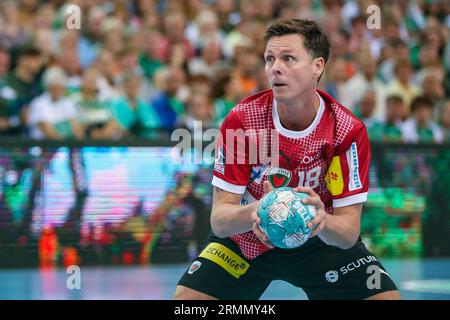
[{"x": 276, "y": 67}]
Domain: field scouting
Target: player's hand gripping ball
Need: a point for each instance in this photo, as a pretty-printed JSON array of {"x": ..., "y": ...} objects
[{"x": 284, "y": 218}]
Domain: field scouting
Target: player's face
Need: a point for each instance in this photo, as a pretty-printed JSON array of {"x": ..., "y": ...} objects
[{"x": 291, "y": 71}]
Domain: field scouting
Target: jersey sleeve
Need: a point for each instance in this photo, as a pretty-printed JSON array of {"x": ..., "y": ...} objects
[
  {"x": 347, "y": 178},
  {"x": 231, "y": 164}
]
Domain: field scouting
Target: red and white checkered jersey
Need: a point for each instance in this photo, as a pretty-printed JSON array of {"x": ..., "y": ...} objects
[{"x": 331, "y": 156}]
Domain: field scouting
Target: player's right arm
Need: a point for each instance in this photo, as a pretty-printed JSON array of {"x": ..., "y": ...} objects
[
  {"x": 232, "y": 169},
  {"x": 228, "y": 216}
]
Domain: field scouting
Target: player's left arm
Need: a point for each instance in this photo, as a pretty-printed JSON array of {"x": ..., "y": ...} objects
[
  {"x": 348, "y": 182},
  {"x": 341, "y": 229}
]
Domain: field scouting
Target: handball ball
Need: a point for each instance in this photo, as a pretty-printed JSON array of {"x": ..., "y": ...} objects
[{"x": 284, "y": 218}]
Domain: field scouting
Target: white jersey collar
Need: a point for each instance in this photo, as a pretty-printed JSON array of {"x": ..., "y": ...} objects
[{"x": 297, "y": 134}]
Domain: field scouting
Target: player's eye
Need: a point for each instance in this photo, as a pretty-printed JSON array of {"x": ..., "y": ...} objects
[
  {"x": 289, "y": 58},
  {"x": 269, "y": 59}
]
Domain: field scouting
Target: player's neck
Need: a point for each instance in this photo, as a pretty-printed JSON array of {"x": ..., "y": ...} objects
[{"x": 299, "y": 115}]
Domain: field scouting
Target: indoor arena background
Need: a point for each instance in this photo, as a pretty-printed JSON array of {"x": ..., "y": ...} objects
[{"x": 123, "y": 202}]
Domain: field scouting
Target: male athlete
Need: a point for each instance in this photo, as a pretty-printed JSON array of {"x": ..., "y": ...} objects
[{"x": 321, "y": 149}]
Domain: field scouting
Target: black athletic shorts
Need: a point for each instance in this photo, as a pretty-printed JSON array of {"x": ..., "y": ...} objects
[{"x": 322, "y": 271}]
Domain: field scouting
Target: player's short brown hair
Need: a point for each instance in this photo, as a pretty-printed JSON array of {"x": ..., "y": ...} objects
[{"x": 315, "y": 40}]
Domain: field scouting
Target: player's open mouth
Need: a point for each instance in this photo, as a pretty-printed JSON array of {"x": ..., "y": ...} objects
[{"x": 279, "y": 85}]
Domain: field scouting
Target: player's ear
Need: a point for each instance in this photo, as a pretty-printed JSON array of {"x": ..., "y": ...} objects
[{"x": 319, "y": 66}]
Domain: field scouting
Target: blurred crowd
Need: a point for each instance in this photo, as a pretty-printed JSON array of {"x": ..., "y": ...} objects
[{"x": 141, "y": 68}]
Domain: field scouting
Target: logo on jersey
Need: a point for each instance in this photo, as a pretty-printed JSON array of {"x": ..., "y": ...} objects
[
  {"x": 257, "y": 173},
  {"x": 226, "y": 258},
  {"x": 353, "y": 167},
  {"x": 332, "y": 276},
  {"x": 194, "y": 267},
  {"x": 219, "y": 162},
  {"x": 333, "y": 178},
  {"x": 279, "y": 177}
]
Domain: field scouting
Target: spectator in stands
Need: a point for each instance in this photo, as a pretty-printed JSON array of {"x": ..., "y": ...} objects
[
  {"x": 225, "y": 14},
  {"x": 204, "y": 29},
  {"x": 166, "y": 103},
  {"x": 358, "y": 33},
  {"x": 247, "y": 63},
  {"x": 20, "y": 86},
  {"x": 113, "y": 40},
  {"x": 149, "y": 60},
  {"x": 392, "y": 51},
  {"x": 433, "y": 88},
  {"x": 89, "y": 44},
  {"x": 199, "y": 109},
  {"x": 107, "y": 68},
  {"x": 52, "y": 115},
  {"x": 174, "y": 24},
  {"x": 365, "y": 110},
  {"x": 362, "y": 81},
  {"x": 239, "y": 37},
  {"x": 432, "y": 40},
  {"x": 402, "y": 84},
  {"x": 445, "y": 121},
  {"x": 27, "y": 12},
  {"x": 335, "y": 79},
  {"x": 421, "y": 127},
  {"x": 200, "y": 83},
  {"x": 93, "y": 113},
  {"x": 210, "y": 62},
  {"x": 45, "y": 40},
  {"x": 13, "y": 34},
  {"x": 69, "y": 61},
  {"x": 396, "y": 114},
  {"x": 5, "y": 63},
  {"x": 45, "y": 16},
  {"x": 131, "y": 114},
  {"x": 227, "y": 93},
  {"x": 128, "y": 60}
]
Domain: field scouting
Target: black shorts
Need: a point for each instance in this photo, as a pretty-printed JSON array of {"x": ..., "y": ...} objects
[{"x": 322, "y": 271}]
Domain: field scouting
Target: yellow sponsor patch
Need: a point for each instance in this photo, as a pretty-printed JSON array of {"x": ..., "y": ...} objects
[
  {"x": 227, "y": 259},
  {"x": 333, "y": 178}
]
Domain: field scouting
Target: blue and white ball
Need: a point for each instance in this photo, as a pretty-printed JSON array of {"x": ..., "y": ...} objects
[{"x": 284, "y": 218}]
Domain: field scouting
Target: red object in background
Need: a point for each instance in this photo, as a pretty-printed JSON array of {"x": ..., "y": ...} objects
[
  {"x": 48, "y": 247},
  {"x": 127, "y": 258},
  {"x": 144, "y": 255},
  {"x": 70, "y": 257}
]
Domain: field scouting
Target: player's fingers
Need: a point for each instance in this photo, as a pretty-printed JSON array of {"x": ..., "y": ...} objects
[
  {"x": 261, "y": 235},
  {"x": 319, "y": 218},
  {"x": 307, "y": 190},
  {"x": 258, "y": 232},
  {"x": 318, "y": 228},
  {"x": 314, "y": 201},
  {"x": 268, "y": 244},
  {"x": 267, "y": 187}
]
